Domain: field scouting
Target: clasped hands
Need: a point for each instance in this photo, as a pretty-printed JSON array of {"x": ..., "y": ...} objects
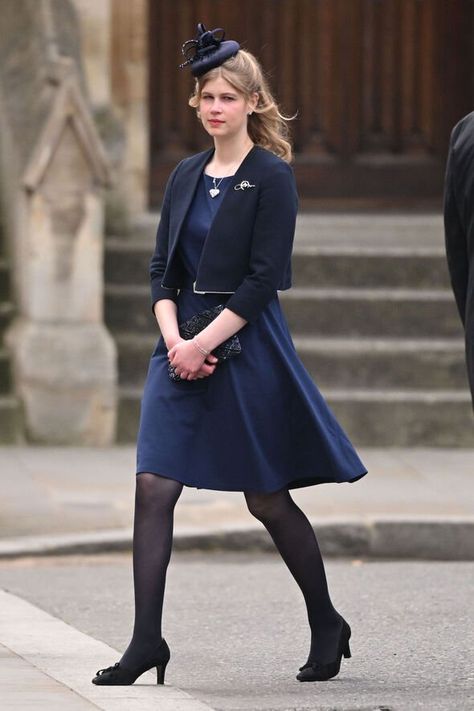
[{"x": 188, "y": 362}]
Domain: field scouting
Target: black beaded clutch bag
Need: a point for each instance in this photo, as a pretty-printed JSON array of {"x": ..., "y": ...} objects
[{"x": 229, "y": 348}]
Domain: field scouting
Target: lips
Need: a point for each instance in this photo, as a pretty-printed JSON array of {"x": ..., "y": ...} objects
[{"x": 215, "y": 121}]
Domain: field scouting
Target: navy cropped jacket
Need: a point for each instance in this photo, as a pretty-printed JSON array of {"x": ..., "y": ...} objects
[{"x": 247, "y": 251}]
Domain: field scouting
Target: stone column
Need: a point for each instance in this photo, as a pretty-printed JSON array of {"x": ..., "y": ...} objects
[
  {"x": 113, "y": 36},
  {"x": 95, "y": 36},
  {"x": 64, "y": 358},
  {"x": 129, "y": 91}
]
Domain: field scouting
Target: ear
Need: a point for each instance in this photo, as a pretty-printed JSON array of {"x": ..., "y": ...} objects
[{"x": 252, "y": 102}]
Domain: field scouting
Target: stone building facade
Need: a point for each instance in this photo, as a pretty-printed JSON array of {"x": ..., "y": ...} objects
[
  {"x": 94, "y": 114},
  {"x": 58, "y": 354}
]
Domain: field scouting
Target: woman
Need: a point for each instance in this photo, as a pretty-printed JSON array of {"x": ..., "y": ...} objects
[{"x": 255, "y": 422}]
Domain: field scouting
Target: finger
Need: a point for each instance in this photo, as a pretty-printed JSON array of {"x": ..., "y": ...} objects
[
  {"x": 205, "y": 375},
  {"x": 208, "y": 368}
]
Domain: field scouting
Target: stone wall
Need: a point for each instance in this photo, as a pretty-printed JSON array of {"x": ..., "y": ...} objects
[
  {"x": 114, "y": 46},
  {"x": 53, "y": 169}
]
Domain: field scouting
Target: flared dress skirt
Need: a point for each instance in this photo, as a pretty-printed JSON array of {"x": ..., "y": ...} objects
[{"x": 259, "y": 422}]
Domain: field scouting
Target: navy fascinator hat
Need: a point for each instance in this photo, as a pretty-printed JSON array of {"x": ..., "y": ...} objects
[{"x": 207, "y": 50}]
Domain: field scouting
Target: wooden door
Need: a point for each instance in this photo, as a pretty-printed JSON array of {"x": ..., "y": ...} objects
[{"x": 377, "y": 85}]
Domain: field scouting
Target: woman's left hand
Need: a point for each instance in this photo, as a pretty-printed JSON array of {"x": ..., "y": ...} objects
[{"x": 187, "y": 360}]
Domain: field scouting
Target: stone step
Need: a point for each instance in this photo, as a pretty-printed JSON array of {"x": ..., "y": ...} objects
[
  {"x": 11, "y": 428},
  {"x": 327, "y": 312},
  {"x": 337, "y": 230},
  {"x": 10, "y": 421},
  {"x": 403, "y": 364},
  {"x": 134, "y": 351},
  {"x": 406, "y": 313},
  {"x": 6, "y": 313},
  {"x": 5, "y": 372},
  {"x": 371, "y": 314},
  {"x": 370, "y": 267},
  {"x": 371, "y": 229},
  {"x": 128, "y": 308},
  {"x": 371, "y": 418},
  {"x": 405, "y": 418},
  {"x": 144, "y": 227},
  {"x": 341, "y": 363},
  {"x": 127, "y": 262},
  {"x": 4, "y": 280},
  {"x": 128, "y": 413}
]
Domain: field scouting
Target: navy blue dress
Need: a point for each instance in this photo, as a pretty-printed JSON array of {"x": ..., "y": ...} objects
[{"x": 258, "y": 423}]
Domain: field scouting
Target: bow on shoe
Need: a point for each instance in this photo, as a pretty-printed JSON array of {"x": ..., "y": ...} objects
[
  {"x": 205, "y": 42},
  {"x": 311, "y": 665},
  {"x": 108, "y": 669}
]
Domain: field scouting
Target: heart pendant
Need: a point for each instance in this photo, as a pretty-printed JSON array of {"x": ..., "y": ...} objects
[{"x": 214, "y": 191}]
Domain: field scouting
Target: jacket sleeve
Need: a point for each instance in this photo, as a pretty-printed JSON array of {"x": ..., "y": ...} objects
[
  {"x": 455, "y": 234},
  {"x": 272, "y": 243},
  {"x": 160, "y": 255}
]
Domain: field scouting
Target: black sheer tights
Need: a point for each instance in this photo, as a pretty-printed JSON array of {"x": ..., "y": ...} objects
[
  {"x": 155, "y": 499},
  {"x": 296, "y": 542}
]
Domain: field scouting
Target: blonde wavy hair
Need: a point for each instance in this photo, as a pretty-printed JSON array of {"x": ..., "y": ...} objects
[{"x": 267, "y": 126}]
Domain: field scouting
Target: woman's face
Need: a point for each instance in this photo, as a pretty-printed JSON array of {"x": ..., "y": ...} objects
[{"x": 223, "y": 110}]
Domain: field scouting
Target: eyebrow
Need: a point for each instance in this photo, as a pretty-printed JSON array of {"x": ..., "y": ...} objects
[{"x": 223, "y": 93}]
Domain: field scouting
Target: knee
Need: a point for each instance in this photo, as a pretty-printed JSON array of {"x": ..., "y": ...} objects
[
  {"x": 263, "y": 506},
  {"x": 156, "y": 493},
  {"x": 146, "y": 492}
]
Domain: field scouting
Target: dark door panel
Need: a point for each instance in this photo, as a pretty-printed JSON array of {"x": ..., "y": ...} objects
[{"x": 377, "y": 85}]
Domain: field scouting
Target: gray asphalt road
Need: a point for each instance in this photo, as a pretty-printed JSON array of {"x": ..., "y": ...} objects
[{"x": 237, "y": 627}]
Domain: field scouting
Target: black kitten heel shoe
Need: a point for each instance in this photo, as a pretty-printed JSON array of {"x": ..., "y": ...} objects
[
  {"x": 118, "y": 675},
  {"x": 316, "y": 671}
]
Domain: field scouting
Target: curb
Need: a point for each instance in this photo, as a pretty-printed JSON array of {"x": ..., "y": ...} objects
[
  {"x": 428, "y": 538},
  {"x": 57, "y": 654}
]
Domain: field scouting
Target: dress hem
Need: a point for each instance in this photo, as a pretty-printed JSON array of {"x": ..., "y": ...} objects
[{"x": 292, "y": 484}]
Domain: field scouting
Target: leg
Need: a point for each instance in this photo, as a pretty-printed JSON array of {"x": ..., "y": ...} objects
[
  {"x": 155, "y": 499},
  {"x": 294, "y": 537}
]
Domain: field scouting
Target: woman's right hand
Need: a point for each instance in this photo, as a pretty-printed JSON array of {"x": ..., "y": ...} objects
[{"x": 207, "y": 368}]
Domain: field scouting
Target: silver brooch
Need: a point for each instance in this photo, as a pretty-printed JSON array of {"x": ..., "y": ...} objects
[{"x": 243, "y": 185}]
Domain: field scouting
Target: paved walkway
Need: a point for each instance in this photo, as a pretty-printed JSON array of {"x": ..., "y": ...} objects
[
  {"x": 43, "y": 661},
  {"x": 413, "y": 503}
]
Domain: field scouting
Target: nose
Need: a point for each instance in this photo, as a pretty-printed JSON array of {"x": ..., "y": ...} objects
[{"x": 216, "y": 107}]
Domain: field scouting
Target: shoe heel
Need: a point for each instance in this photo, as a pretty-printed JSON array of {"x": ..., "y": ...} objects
[
  {"x": 347, "y": 651},
  {"x": 160, "y": 673}
]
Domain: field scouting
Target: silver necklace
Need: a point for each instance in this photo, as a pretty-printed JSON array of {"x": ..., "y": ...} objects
[{"x": 215, "y": 190}]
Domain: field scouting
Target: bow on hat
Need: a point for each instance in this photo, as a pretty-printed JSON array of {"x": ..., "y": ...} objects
[{"x": 207, "y": 50}]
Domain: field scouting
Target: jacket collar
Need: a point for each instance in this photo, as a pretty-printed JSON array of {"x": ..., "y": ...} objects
[{"x": 189, "y": 176}]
